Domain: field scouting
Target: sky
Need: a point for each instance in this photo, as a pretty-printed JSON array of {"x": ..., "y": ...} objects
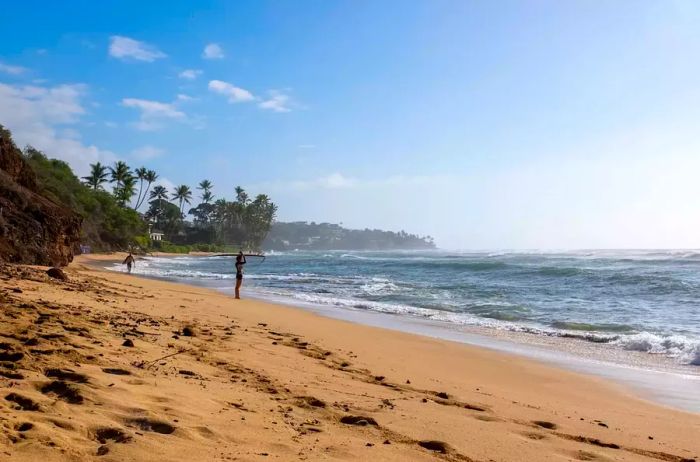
[{"x": 487, "y": 125}]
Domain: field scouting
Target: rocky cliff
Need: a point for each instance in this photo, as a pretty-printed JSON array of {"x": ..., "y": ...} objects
[{"x": 33, "y": 229}]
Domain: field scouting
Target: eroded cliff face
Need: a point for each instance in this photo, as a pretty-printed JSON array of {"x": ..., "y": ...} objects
[{"x": 33, "y": 229}]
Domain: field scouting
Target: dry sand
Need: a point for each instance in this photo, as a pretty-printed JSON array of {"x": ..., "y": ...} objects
[{"x": 256, "y": 381}]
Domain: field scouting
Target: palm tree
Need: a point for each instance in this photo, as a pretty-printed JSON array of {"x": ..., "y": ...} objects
[
  {"x": 160, "y": 194},
  {"x": 119, "y": 173},
  {"x": 183, "y": 195},
  {"x": 140, "y": 175},
  {"x": 207, "y": 197},
  {"x": 98, "y": 175},
  {"x": 150, "y": 176},
  {"x": 206, "y": 186},
  {"x": 126, "y": 191},
  {"x": 241, "y": 195}
]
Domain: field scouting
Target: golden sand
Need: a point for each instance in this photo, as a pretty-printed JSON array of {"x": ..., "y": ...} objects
[{"x": 256, "y": 381}]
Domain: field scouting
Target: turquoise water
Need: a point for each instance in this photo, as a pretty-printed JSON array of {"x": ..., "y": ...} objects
[{"x": 641, "y": 301}]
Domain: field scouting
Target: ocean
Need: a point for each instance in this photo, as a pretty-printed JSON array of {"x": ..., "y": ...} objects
[{"x": 641, "y": 302}]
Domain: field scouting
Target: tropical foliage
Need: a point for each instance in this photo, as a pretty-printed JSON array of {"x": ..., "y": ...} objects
[
  {"x": 106, "y": 224},
  {"x": 98, "y": 176},
  {"x": 183, "y": 195},
  {"x": 111, "y": 220}
]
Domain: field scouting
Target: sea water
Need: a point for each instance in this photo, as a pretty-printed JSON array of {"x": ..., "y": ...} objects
[
  {"x": 630, "y": 316},
  {"x": 620, "y": 301}
]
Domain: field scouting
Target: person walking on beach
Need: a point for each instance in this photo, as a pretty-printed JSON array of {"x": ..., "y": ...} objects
[
  {"x": 129, "y": 261},
  {"x": 240, "y": 261}
]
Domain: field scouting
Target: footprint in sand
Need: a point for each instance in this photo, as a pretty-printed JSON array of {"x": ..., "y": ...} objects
[
  {"x": 310, "y": 401},
  {"x": 358, "y": 420},
  {"x": 115, "y": 371},
  {"x": 9, "y": 355},
  {"x": 63, "y": 391},
  {"x": 437, "y": 446},
  {"x": 545, "y": 424},
  {"x": 68, "y": 375},
  {"x": 11, "y": 375},
  {"x": 24, "y": 404},
  {"x": 103, "y": 434},
  {"x": 589, "y": 456},
  {"x": 535, "y": 436},
  {"x": 24, "y": 426},
  {"x": 151, "y": 425}
]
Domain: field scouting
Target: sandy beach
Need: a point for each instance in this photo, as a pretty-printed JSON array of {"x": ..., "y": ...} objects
[{"x": 121, "y": 368}]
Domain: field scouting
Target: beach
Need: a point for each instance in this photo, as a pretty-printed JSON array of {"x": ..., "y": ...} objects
[{"x": 119, "y": 367}]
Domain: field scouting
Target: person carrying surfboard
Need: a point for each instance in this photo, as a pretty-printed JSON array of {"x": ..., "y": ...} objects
[
  {"x": 240, "y": 261},
  {"x": 128, "y": 261}
]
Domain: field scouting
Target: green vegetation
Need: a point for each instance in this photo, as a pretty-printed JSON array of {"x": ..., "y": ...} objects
[
  {"x": 98, "y": 176},
  {"x": 241, "y": 223},
  {"x": 106, "y": 224},
  {"x": 326, "y": 236},
  {"x": 111, "y": 220},
  {"x": 169, "y": 247}
]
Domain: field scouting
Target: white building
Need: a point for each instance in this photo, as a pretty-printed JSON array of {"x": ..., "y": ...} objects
[{"x": 155, "y": 236}]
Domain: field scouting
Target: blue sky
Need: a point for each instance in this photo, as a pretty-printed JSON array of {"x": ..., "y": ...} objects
[{"x": 540, "y": 124}]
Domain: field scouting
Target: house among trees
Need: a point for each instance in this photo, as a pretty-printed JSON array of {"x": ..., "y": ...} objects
[
  {"x": 153, "y": 234},
  {"x": 156, "y": 236}
]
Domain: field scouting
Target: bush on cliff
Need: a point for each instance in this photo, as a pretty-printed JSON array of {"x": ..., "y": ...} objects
[{"x": 106, "y": 225}]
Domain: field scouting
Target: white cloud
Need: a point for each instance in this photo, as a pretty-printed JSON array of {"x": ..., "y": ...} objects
[
  {"x": 336, "y": 180},
  {"x": 41, "y": 116},
  {"x": 234, "y": 93},
  {"x": 147, "y": 152},
  {"x": 190, "y": 74},
  {"x": 166, "y": 183},
  {"x": 213, "y": 51},
  {"x": 333, "y": 181},
  {"x": 153, "y": 113},
  {"x": 277, "y": 102},
  {"x": 110, "y": 124},
  {"x": 126, "y": 48},
  {"x": 183, "y": 97},
  {"x": 56, "y": 105},
  {"x": 154, "y": 108},
  {"x": 12, "y": 70}
]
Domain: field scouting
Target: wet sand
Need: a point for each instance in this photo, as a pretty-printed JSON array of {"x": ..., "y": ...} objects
[{"x": 116, "y": 367}]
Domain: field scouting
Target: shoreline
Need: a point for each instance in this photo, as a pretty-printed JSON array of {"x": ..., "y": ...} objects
[
  {"x": 661, "y": 385},
  {"x": 646, "y": 376},
  {"x": 211, "y": 378}
]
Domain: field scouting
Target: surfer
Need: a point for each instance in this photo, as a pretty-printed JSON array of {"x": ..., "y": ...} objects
[
  {"x": 240, "y": 261},
  {"x": 129, "y": 261}
]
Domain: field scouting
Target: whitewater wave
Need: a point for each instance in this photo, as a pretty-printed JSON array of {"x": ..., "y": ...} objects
[
  {"x": 356, "y": 257},
  {"x": 627, "y": 301},
  {"x": 678, "y": 347},
  {"x": 176, "y": 274}
]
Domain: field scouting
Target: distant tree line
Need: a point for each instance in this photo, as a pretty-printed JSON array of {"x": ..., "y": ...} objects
[
  {"x": 111, "y": 219},
  {"x": 241, "y": 223},
  {"x": 327, "y": 236}
]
